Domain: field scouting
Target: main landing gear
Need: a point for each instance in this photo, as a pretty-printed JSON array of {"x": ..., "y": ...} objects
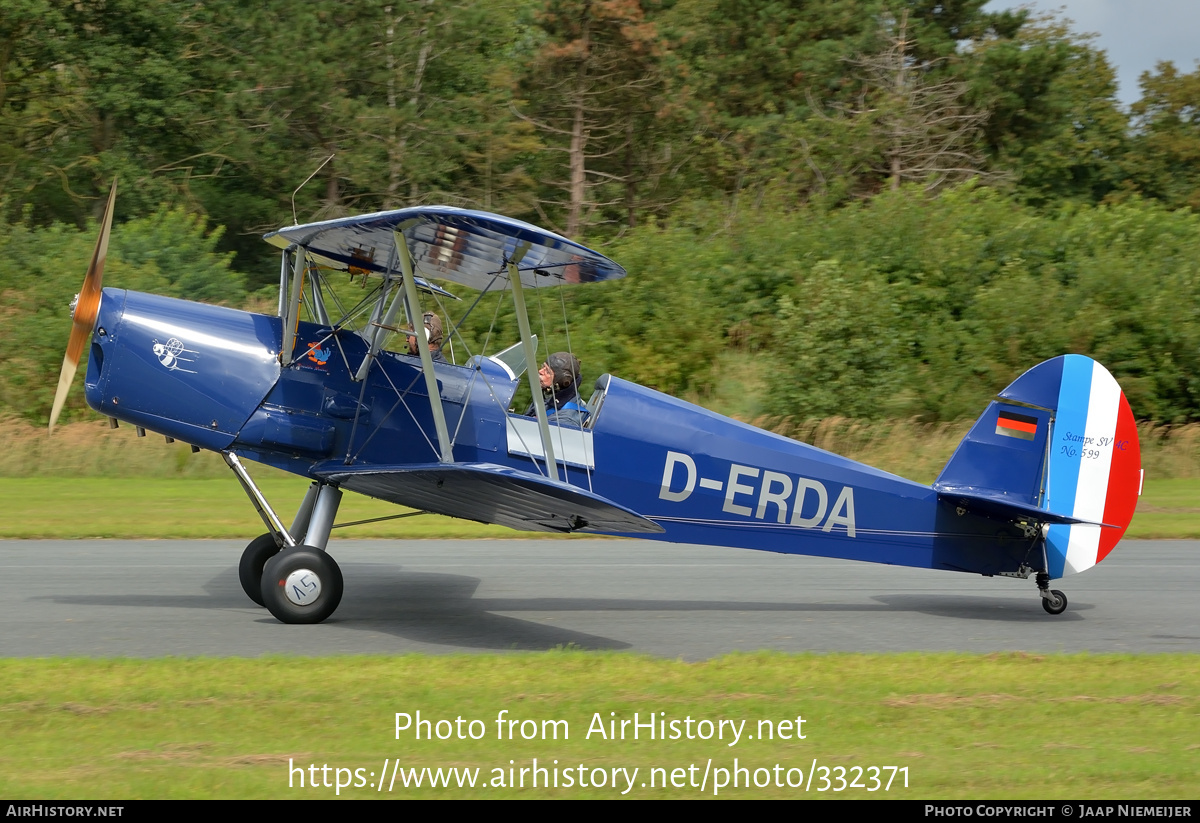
[{"x": 289, "y": 571}]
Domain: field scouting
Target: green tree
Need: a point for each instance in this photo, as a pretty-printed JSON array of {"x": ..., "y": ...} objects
[
  {"x": 591, "y": 87},
  {"x": 841, "y": 340},
  {"x": 1055, "y": 124},
  {"x": 922, "y": 130},
  {"x": 408, "y": 99},
  {"x": 1164, "y": 157},
  {"x": 169, "y": 252},
  {"x": 95, "y": 90},
  {"x": 773, "y": 80}
]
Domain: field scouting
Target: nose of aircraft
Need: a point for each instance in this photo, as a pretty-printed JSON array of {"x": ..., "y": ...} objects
[{"x": 86, "y": 309}]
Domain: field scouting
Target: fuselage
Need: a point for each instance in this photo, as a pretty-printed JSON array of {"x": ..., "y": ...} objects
[{"x": 211, "y": 376}]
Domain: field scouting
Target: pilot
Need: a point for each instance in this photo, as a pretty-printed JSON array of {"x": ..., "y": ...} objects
[
  {"x": 433, "y": 333},
  {"x": 560, "y": 390}
]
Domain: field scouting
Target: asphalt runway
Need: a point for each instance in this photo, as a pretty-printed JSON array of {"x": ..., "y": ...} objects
[{"x": 152, "y": 598}]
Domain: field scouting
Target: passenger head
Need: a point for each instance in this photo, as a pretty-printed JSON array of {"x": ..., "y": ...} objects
[
  {"x": 560, "y": 371},
  {"x": 433, "y": 333}
]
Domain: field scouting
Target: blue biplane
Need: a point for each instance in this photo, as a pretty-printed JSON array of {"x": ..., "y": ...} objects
[{"x": 1044, "y": 484}]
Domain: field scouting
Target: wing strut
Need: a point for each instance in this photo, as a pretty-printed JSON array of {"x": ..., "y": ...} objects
[
  {"x": 535, "y": 385},
  {"x": 284, "y": 267},
  {"x": 291, "y": 320},
  {"x": 412, "y": 307},
  {"x": 383, "y": 317}
]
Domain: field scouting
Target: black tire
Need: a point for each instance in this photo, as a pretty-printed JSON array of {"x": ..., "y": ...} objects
[
  {"x": 305, "y": 574},
  {"x": 250, "y": 570},
  {"x": 1056, "y": 603}
]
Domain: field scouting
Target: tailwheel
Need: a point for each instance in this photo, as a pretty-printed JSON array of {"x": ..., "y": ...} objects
[
  {"x": 250, "y": 570},
  {"x": 1054, "y": 602},
  {"x": 301, "y": 585}
]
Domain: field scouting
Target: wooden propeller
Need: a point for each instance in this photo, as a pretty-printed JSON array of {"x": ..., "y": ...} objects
[{"x": 87, "y": 307}]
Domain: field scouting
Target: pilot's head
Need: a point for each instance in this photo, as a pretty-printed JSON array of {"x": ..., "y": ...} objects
[
  {"x": 433, "y": 333},
  {"x": 560, "y": 371}
]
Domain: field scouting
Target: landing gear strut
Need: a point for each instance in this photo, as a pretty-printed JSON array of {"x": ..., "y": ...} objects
[
  {"x": 304, "y": 584},
  {"x": 297, "y": 583},
  {"x": 1053, "y": 601}
]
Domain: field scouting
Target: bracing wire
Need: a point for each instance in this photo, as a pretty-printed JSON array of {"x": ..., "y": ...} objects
[
  {"x": 542, "y": 318},
  {"x": 567, "y": 332},
  {"x": 455, "y": 330},
  {"x": 495, "y": 316},
  {"x": 399, "y": 401},
  {"x": 566, "y": 325},
  {"x": 369, "y": 360}
]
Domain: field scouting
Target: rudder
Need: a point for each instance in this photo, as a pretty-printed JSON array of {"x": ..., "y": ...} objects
[{"x": 1095, "y": 466}]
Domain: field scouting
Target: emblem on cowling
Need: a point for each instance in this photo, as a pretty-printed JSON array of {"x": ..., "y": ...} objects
[{"x": 170, "y": 354}]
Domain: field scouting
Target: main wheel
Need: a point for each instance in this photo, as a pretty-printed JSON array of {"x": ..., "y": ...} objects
[
  {"x": 1056, "y": 603},
  {"x": 301, "y": 585},
  {"x": 250, "y": 570}
]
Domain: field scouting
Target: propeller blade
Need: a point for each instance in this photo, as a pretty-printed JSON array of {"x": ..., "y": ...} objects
[{"x": 87, "y": 308}]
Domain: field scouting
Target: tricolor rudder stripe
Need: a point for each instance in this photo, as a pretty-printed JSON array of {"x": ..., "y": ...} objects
[{"x": 1094, "y": 467}]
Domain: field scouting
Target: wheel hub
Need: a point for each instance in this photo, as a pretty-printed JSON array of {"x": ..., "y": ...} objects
[{"x": 302, "y": 587}]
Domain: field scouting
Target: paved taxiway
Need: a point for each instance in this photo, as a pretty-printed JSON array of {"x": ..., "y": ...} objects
[{"x": 152, "y": 598}]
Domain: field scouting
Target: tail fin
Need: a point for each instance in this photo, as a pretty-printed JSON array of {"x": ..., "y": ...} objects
[{"x": 1058, "y": 445}]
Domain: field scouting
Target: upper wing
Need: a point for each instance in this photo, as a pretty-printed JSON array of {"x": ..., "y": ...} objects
[{"x": 460, "y": 245}]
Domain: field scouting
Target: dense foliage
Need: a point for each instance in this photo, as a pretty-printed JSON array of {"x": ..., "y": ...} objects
[
  {"x": 888, "y": 207},
  {"x": 906, "y": 305}
]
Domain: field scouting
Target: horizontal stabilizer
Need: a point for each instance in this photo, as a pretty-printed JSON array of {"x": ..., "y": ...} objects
[
  {"x": 1009, "y": 509},
  {"x": 488, "y": 493}
]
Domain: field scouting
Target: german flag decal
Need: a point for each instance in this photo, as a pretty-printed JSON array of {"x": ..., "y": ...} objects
[{"x": 1011, "y": 424}]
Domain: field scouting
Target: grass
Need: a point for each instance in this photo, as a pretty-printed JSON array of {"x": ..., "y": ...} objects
[
  {"x": 1169, "y": 509},
  {"x": 998, "y": 726},
  {"x": 905, "y": 447},
  {"x": 114, "y": 484},
  {"x": 185, "y": 508}
]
